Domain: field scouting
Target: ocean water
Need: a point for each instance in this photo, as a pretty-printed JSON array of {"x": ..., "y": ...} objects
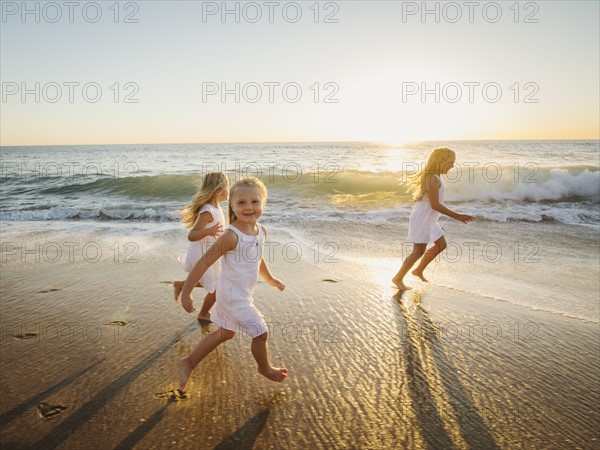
[{"x": 535, "y": 242}]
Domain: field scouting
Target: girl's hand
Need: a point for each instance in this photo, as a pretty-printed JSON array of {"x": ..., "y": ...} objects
[
  {"x": 215, "y": 231},
  {"x": 278, "y": 284},
  {"x": 465, "y": 218},
  {"x": 187, "y": 302}
]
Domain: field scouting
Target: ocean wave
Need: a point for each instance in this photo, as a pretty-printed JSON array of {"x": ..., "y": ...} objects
[
  {"x": 578, "y": 214},
  {"x": 586, "y": 213},
  {"x": 566, "y": 195},
  {"x": 169, "y": 186},
  {"x": 556, "y": 185},
  {"x": 571, "y": 184},
  {"x": 582, "y": 215},
  {"x": 62, "y": 213}
]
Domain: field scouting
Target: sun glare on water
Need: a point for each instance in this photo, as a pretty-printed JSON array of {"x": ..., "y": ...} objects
[
  {"x": 396, "y": 159},
  {"x": 380, "y": 271}
]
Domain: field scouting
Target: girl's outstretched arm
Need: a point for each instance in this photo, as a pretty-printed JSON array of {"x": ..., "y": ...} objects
[
  {"x": 199, "y": 232},
  {"x": 433, "y": 190},
  {"x": 264, "y": 271},
  {"x": 225, "y": 243},
  {"x": 266, "y": 274}
]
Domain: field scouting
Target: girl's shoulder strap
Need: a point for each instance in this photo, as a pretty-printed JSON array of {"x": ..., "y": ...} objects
[
  {"x": 239, "y": 233},
  {"x": 207, "y": 207},
  {"x": 261, "y": 229},
  {"x": 236, "y": 231}
]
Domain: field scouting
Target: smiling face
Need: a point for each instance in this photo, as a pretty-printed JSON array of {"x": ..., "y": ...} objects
[{"x": 247, "y": 204}]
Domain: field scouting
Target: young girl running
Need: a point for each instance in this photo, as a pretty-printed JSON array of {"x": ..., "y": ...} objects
[
  {"x": 241, "y": 247},
  {"x": 206, "y": 220},
  {"x": 428, "y": 192}
]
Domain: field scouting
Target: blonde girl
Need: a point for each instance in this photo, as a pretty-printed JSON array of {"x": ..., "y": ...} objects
[
  {"x": 241, "y": 248},
  {"x": 205, "y": 219},
  {"x": 423, "y": 228}
]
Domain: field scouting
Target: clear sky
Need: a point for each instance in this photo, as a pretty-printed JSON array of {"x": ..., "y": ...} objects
[{"x": 505, "y": 70}]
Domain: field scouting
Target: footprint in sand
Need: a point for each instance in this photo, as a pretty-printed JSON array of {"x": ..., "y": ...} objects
[
  {"x": 166, "y": 282},
  {"x": 416, "y": 297},
  {"x": 48, "y": 411},
  {"x": 48, "y": 290},
  {"x": 329, "y": 280},
  {"x": 25, "y": 336},
  {"x": 173, "y": 394},
  {"x": 119, "y": 323}
]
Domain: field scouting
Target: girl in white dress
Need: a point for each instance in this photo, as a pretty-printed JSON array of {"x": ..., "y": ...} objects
[
  {"x": 428, "y": 192},
  {"x": 241, "y": 248},
  {"x": 206, "y": 220}
]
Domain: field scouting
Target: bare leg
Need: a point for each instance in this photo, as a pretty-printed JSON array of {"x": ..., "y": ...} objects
[
  {"x": 409, "y": 261},
  {"x": 438, "y": 247},
  {"x": 178, "y": 287},
  {"x": 209, "y": 301},
  {"x": 207, "y": 345},
  {"x": 259, "y": 351}
]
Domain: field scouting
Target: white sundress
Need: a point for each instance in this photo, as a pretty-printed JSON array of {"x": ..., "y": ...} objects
[
  {"x": 423, "y": 227},
  {"x": 234, "y": 309},
  {"x": 198, "y": 248}
]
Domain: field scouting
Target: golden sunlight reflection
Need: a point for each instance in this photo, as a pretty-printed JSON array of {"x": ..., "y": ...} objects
[
  {"x": 396, "y": 144},
  {"x": 380, "y": 272},
  {"x": 397, "y": 159}
]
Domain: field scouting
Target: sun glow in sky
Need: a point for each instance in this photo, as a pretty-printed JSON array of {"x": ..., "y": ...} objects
[{"x": 174, "y": 72}]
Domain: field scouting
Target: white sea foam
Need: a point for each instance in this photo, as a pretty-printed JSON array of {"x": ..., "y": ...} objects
[{"x": 555, "y": 185}]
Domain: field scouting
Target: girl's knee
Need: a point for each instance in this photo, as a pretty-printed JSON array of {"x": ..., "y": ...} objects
[
  {"x": 262, "y": 337},
  {"x": 440, "y": 244},
  {"x": 419, "y": 249},
  {"x": 228, "y": 334}
]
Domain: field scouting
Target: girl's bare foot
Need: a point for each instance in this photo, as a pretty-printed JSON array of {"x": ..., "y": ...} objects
[
  {"x": 420, "y": 275},
  {"x": 204, "y": 317},
  {"x": 185, "y": 370},
  {"x": 274, "y": 373},
  {"x": 400, "y": 285},
  {"x": 178, "y": 287}
]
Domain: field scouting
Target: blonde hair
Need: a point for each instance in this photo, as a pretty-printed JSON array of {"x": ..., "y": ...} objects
[
  {"x": 416, "y": 183},
  {"x": 211, "y": 183},
  {"x": 246, "y": 182}
]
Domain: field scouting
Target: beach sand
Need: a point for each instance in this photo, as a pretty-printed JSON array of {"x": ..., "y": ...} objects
[{"x": 89, "y": 358}]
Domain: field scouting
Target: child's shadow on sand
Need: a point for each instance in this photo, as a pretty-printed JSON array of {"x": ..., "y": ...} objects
[
  {"x": 419, "y": 332},
  {"x": 245, "y": 437}
]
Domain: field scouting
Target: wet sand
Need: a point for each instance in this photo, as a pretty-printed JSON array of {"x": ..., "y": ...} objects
[{"x": 89, "y": 357}]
